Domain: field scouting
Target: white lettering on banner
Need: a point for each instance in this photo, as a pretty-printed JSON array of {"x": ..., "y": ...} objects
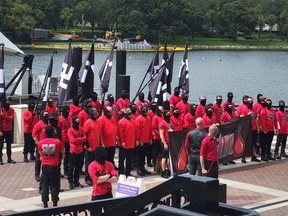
[
  {"x": 65, "y": 76},
  {"x": 225, "y": 147}
]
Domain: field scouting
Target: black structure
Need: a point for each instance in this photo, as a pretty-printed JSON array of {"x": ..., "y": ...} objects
[
  {"x": 122, "y": 80},
  {"x": 182, "y": 195}
]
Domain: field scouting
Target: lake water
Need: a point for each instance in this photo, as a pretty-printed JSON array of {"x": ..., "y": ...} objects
[{"x": 211, "y": 72}]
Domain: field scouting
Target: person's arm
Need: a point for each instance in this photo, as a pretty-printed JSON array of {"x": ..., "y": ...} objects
[
  {"x": 163, "y": 139},
  {"x": 202, "y": 163}
]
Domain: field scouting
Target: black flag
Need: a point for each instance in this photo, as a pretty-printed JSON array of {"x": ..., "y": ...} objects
[
  {"x": 68, "y": 85},
  {"x": 158, "y": 85},
  {"x": 169, "y": 72},
  {"x": 46, "y": 84},
  {"x": 183, "y": 72},
  {"x": 2, "y": 77},
  {"x": 105, "y": 72},
  {"x": 86, "y": 72}
]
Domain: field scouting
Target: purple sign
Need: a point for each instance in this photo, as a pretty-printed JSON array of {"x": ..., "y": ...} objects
[{"x": 127, "y": 189}]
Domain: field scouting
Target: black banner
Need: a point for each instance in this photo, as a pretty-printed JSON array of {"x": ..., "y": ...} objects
[{"x": 235, "y": 139}]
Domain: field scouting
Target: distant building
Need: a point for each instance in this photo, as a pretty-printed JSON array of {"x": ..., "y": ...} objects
[
  {"x": 39, "y": 33},
  {"x": 266, "y": 27}
]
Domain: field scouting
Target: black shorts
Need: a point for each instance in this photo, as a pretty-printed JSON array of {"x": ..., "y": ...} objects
[{"x": 164, "y": 153}]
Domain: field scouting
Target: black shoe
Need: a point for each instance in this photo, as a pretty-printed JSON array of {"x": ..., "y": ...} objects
[
  {"x": 146, "y": 172},
  {"x": 26, "y": 159},
  {"x": 61, "y": 190},
  {"x": 82, "y": 172},
  {"x": 61, "y": 175},
  {"x": 232, "y": 162},
  {"x": 11, "y": 161},
  {"x": 264, "y": 159},
  {"x": 283, "y": 154},
  {"x": 65, "y": 173},
  {"x": 149, "y": 165},
  {"x": 32, "y": 157},
  {"x": 37, "y": 178},
  {"x": 140, "y": 173},
  {"x": 78, "y": 185},
  {"x": 55, "y": 203},
  {"x": 115, "y": 167},
  {"x": 1, "y": 162},
  {"x": 89, "y": 182},
  {"x": 277, "y": 156},
  {"x": 225, "y": 164},
  {"x": 45, "y": 204},
  {"x": 243, "y": 160},
  {"x": 164, "y": 174},
  {"x": 255, "y": 159},
  {"x": 71, "y": 186},
  {"x": 129, "y": 174},
  {"x": 270, "y": 158}
]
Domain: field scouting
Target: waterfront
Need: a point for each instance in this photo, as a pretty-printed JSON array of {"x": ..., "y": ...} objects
[{"x": 211, "y": 72}]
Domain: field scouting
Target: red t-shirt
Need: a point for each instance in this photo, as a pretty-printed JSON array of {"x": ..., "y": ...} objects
[
  {"x": 200, "y": 110},
  {"x": 96, "y": 168},
  {"x": 174, "y": 100},
  {"x": 224, "y": 106},
  {"x": 64, "y": 125},
  {"x": 54, "y": 108},
  {"x": 183, "y": 109},
  {"x": 207, "y": 122},
  {"x": 122, "y": 104},
  {"x": 39, "y": 130},
  {"x": 108, "y": 129},
  {"x": 253, "y": 114},
  {"x": 217, "y": 112},
  {"x": 258, "y": 107},
  {"x": 77, "y": 138},
  {"x": 151, "y": 114},
  {"x": 115, "y": 109},
  {"x": 140, "y": 103},
  {"x": 83, "y": 117},
  {"x": 226, "y": 117},
  {"x": 8, "y": 120},
  {"x": 155, "y": 126},
  {"x": 165, "y": 126},
  {"x": 176, "y": 123},
  {"x": 144, "y": 129},
  {"x": 127, "y": 133},
  {"x": 49, "y": 149},
  {"x": 240, "y": 109},
  {"x": 74, "y": 110},
  {"x": 92, "y": 130},
  {"x": 282, "y": 121},
  {"x": 97, "y": 105},
  {"x": 27, "y": 120},
  {"x": 267, "y": 119},
  {"x": 189, "y": 122},
  {"x": 208, "y": 148}
]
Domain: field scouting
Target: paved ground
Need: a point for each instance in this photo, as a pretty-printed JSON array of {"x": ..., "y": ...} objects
[{"x": 259, "y": 186}]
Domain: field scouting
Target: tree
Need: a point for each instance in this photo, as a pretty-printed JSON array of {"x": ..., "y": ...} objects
[
  {"x": 66, "y": 15},
  {"x": 82, "y": 7},
  {"x": 270, "y": 19}
]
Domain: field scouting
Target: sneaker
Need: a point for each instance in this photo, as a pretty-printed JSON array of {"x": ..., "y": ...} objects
[
  {"x": 149, "y": 165},
  {"x": 32, "y": 157},
  {"x": 271, "y": 158},
  {"x": 82, "y": 172},
  {"x": 129, "y": 174},
  {"x": 37, "y": 178},
  {"x": 225, "y": 164},
  {"x": 78, "y": 185},
  {"x": 277, "y": 156},
  {"x": 243, "y": 160},
  {"x": 71, "y": 186},
  {"x": 164, "y": 174},
  {"x": 146, "y": 172},
  {"x": 1, "y": 162},
  {"x": 283, "y": 154},
  {"x": 255, "y": 159},
  {"x": 232, "y": 162},
  {"x": 61, "y": 175},
  {"x": 11, "y": 161},
  {"x": 89, "y": 182},
  {"x": 140, "y": 173},
  {"x": 264, "y": 159}
]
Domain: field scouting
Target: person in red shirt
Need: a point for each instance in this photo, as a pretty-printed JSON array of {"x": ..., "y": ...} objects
[
  {"x": 229, "y": 100},
  {"x": 75, "y": 108},
  {"x": 142, "y": 101},
  {"x": 49, "y": 150},
  {"x": 282, "y": 123},
  {"x": 96, "y": 103},
  {"x": 50, "y": 106},
  {"x": 229, "y": 115},
  {"x": 258, "y": 105},
  {"x": 208, "y": 118},
  {"x": 183, "y": 106},
  {"x": 267, "y": 125},
  {"x": 76, "y": 137},
  {"x": 7, "y": 116},
  {"x": 92, "y": 130},
  {"x": 190, "y": 118},
  {"x": 164, "y": 129},
  {"x": 65, "y": 124},
  {"x": 134, "y": 110},
  {"x": 151, "y": 114},
  {"x": 110, "y": 102},
  {"x": 84, "y": 114},
  {"x": 200, "y": 110},
  {"x": 242, "y": 106},
  {"x": 175, "y": 120},
  {"x": 156, "y": 140},
  {"x": 175, "y": 98},
  {"x": 108, "y": 129},
  {"x": 103, "y": 174},
  {"x": 123, "y": 102},
  {"x": 127, "y": 138},
  {"x": 209, "y": 153},
  {"x": 38, "y": 134},
  {"x": 249, "y": 110},
  {"x": 143, "y": 124},
  {"x": 218, "y": 108},
  {"x": 29, "y": 119}
]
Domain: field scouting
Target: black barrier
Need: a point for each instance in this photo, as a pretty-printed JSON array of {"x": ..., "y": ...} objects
[{"x": 123, "y": 83}]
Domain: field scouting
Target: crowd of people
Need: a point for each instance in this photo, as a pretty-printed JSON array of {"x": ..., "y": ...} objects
[{"x": 72, "y": 134}]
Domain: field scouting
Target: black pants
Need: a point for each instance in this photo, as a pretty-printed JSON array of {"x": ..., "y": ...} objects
[
  {"x": 149, "y": 153},
  {"x": 110, "y": 154},
  {"x": 212, "y": 168},
  {"x": 37, "y": 162},
  {"x": 141, "y": 154},
  {"x": 125, "y": 154},
  {"x": 266, "y": 141},
  {"x": 7, "y": 135},
  {"x": 104, "y": 196},
  {"x": 51, "y": 179},
  {"x": 194, "y": 165},
  {"x": 74, "y": 168},
  {"x": 29, "y": 144},
  {"x": 281, "y": 141},
  {"x": 156, "y": 150},
  {"x": 66, "y": 158},
  {"x": 89, "y": 158}
]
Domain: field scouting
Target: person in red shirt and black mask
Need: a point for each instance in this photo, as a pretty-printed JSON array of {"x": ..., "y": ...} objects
[
  {"x": 175, "y": 120},
  {"x": 175, "y": 98},
  {"x": 190, "y": 118}
]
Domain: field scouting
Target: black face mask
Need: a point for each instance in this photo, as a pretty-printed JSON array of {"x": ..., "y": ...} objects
[
  {"x": 282, "y": 107},
  {"x": 269, "y": 105},
  {"x": 6, "y": 107},
  {"x": 144, "y": 114},
  {"x": 111, "y": 100},
  {"x": 153, "y": 107},
  {"x": 167, "y": 118},
  {"x": 209, "y": 114},
  {"x": 123, "y": 96},
  {"x": 192, "y": 112},
  {"x": 203, "y": 102},
  {"x": 177, "y": 93},
  {"x": 100, "y": 156},
  {"x": 229, "y": 110},
  {"x": 133, "y": 110},
  {"x": 176, "y": 115},
  {"x": 93, "y": 116},
  {"x": 249, "y": 105},
  {"x": 75, "y": 124},
  {"x": 53, "y": 122},
  {"x": 107, "y": 114},
  {"x": 45, "y": 119},
  {"x": 31, "y": 107},
  {"x": 128, "y": 116},
  {"x": 230, "y": 99},
  {"x": 263, "y": 105},
  {"x": 219, "y": 102},
  {"x": 50, "y": 103},
  {"x": 245, "y": 102},
  {"x": 76, "y": 101},
  {"x": 141, "y": 97},
  {"x": 185, "y": 99}
]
